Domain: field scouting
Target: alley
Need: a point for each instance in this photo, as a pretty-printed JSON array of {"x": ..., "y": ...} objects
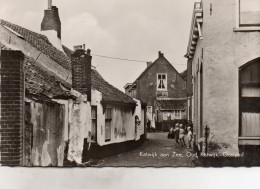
[{"x": 156, "y": 151}]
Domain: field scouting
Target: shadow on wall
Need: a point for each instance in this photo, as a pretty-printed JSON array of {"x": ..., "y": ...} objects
[{"x": 98, "y": 152}]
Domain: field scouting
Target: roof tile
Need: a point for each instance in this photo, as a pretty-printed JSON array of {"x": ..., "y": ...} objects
[
  {"x": 40, "y": 82},
  {"x": 172, "y": 104},
  {"x": 41, "y": 43}
]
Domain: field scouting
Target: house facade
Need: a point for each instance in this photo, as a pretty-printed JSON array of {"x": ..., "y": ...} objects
[
  {"x": 51, "y": 98},
  {"x": 158, "y": 84},
  {"x": 224, "y": 67}
]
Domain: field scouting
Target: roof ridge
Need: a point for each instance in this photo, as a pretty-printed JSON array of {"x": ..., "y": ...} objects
[
  {"x": 153, "y": 63},
  {"x": 45, "y": 38},
  {"x": 41, "y": 43}
]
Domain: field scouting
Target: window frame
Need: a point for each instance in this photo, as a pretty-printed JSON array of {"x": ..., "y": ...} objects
[
  {"x": 177, "y": 112},
  {"x": 94, "y": 119},
  {"x": 158, "y": 80},
  {"x": 243, "y": 28},
  {"x": 110, "y": 122},
  {"x": 247, "y": 104}
]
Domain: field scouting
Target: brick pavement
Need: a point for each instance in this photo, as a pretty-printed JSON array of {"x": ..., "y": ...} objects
[{"x": 157, "y": 151}]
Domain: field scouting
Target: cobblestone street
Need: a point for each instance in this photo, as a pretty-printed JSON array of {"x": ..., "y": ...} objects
[{"x": 156, "y": 151}]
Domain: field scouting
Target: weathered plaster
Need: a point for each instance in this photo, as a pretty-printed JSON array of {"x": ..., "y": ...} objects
[
  {"x": 225, "y": 50},
  {"x": 48, "y": 130},
  {"x": 78, "y": 128}
]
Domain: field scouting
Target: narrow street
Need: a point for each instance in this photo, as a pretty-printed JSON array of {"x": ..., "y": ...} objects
[{"x": 156, "y": 151}]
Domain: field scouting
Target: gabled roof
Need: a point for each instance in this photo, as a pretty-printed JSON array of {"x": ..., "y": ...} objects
[
  {"x": 172, "y": 104},
  {"x": 146, "y": 70},
  {"x": 151, "y": 65},
  {"x": 41, "y": 82}
]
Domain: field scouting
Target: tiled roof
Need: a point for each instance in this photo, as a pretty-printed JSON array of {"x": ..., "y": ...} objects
[
  {"x": 40, "y": 82},
  {"x": 67, "y": 51},
  {"x": 41, "y": 43},
  {"x": 109, "y": 92},
  {"x": 172, "y": 104}
]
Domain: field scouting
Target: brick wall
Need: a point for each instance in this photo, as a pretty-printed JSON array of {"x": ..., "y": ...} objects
[
  {"x": 147, "y": 84},
  {"x": 81, "y": 72},
  {"x": 11, "y": 107}
]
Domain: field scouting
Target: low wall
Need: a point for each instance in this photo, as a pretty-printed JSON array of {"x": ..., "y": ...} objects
[{"x": 98, "y": 152}]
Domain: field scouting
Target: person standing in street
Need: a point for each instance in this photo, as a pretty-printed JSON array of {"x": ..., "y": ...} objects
[
  {"x": 148, "y": 125},
  {"x": 176, "y": 132},
  {"x": 89, "y": 139},
  {"x": 189, "y": 136},
  {"x": 181, "y": 135}
]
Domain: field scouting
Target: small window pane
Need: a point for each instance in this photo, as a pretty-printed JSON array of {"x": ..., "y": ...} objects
[
  {"x": 108, "y": 130},
  {"x": 163, "y": 77},
  {"x": 255, "y": 72},
  {"x": 108, "y": 113},
  {"x": 93, "y": 113},
  {"x": 159, "y": 76},
  {"x": 94, "y": 130},
  {"x": 249, "y": 12}
]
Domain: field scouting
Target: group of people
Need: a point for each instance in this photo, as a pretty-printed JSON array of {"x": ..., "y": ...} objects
[{"x": 179, "y": 133}]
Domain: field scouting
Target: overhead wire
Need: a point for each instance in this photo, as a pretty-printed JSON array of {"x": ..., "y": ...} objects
[{"x": 125, "y": 59}]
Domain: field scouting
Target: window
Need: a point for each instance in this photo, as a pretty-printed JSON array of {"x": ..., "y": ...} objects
[
  {"x": 165, "y": 116},
  {"x": 149, "y": 109},
  {"x": 94, "y": 123},
  {"x": 161, "y": 81},
  {"x": 176, "y": 114},
  {"x": 249, "y": 13},
  {"x": 108, "y": 117},
  {"x": 249, "y": 99}
]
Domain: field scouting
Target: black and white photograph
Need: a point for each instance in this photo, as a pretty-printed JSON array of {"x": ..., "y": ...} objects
[{"x": 133, "y": 84}]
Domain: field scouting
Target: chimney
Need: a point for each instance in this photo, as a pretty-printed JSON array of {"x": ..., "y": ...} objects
[
  {"x": 81, "y": 71},
  {"x": 76, "y": 47},
  {"x": 11, "y": 107},
  {"x": 49, "y": 4},
  {"x": 160, "y": 54},
  {"x": 51, "y": 19},
  {"x": 149, "y": 63}
]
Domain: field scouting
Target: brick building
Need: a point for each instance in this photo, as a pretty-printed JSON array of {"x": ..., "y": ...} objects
[
  {"x": 160, "y": 84},
  {"x": 51, "y": 97},
  {"x": 224, "y": 67}
]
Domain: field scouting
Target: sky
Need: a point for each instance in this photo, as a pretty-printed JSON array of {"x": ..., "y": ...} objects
[{"x": 128, "y": 29}]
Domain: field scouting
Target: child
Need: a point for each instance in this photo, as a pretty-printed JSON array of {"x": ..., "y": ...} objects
[
  {"x": 189, "y": 137},
  {"x": 182, "y": 132},
  {"x": 176, "y": 132},
  {"x": 171, "y": 133},
  {"x": 88, "y": 154}
]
